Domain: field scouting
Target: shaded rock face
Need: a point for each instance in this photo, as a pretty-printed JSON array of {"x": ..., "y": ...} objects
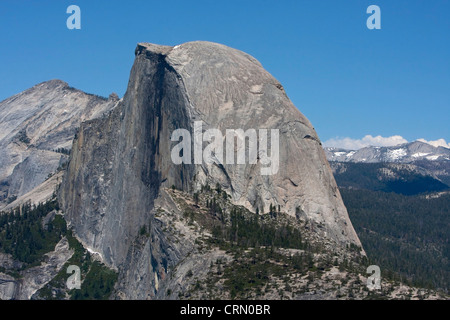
[
  {"x": 36, "y": 123},
  {"x": 120, "y": 163}
]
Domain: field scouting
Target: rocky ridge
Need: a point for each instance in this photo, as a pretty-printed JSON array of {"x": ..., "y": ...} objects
[
  {"x": 404, "y": 153},
  {"x": 37, "y": 127}
]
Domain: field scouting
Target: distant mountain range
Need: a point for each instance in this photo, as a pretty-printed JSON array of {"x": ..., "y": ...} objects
[
  {"x": 398, "y": 199},
  {"x": 407, "y": 179},
  {"x": 393, "y": 166},
  {"x": 404, "y": 153}
]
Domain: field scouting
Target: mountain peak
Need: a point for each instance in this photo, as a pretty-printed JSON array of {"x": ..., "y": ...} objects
[
  {"x": 197, "y": 50},
  {"x": 403, "y": 153},
  {"x": 129, "y": 170},
  {"x": 33, "y": 125},
  {"x": 143, "y": 47},
  {"x": 53, "y": 84}
]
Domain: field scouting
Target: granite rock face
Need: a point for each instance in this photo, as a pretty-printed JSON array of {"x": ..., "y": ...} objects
[
  {"x": 121, "y": 163},
  {"x": 33, "y": 279},
  {"x": 118, "y": 163},
  {"x": 35, "y": 126},
  {"x": 230, "y": 89}
]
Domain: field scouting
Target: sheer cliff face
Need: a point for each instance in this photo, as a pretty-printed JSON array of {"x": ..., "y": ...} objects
[{"x": 120, "y": 163}]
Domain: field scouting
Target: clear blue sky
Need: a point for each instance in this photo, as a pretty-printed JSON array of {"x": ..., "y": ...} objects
[{"x": 348, "y": 80}]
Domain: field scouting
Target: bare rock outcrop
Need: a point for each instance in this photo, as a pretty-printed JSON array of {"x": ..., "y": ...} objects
[
  {"x": 37, "y": 127},
  {"x": 33, "y": 279},
  {"x": 121, "y": 162}
]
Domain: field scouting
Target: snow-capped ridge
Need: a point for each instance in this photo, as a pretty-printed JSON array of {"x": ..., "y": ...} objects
[{"x": 403, "y": 153}]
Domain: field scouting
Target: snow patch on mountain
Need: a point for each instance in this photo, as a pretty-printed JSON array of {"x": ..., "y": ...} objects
[
  {"x": 419, "y": 154},
  {"x": 396, "y": 154}
]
